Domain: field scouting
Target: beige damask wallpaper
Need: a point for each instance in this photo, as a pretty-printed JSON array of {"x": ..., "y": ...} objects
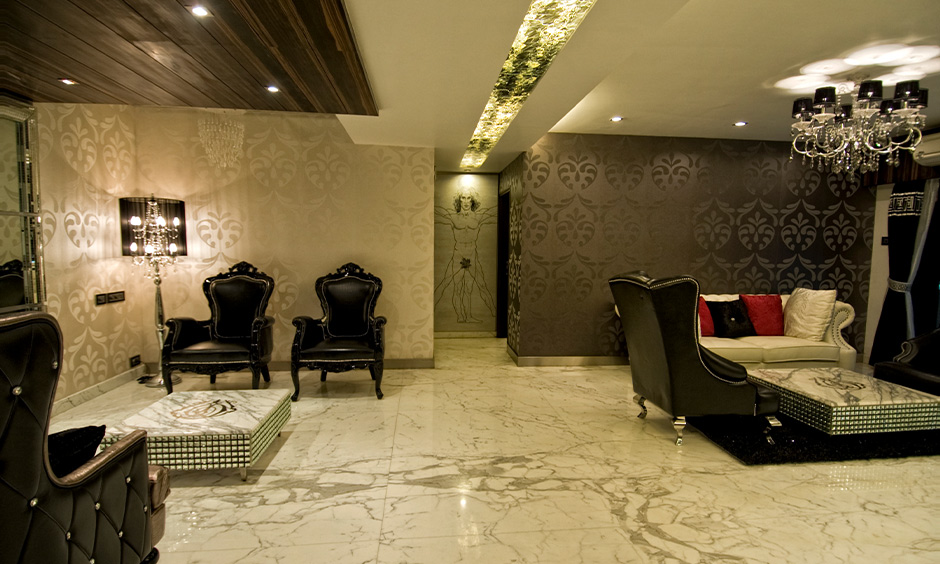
[{"x": 298, "y": 200}]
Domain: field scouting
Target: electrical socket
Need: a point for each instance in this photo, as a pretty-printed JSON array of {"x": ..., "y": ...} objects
[{"x": 135, "y": 360}]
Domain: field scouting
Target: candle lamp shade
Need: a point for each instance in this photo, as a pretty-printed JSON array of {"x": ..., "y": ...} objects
[{"x": 169, "y": 210}]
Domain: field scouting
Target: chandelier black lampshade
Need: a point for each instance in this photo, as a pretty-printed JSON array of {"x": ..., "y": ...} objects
[
  {"x": 922, "y": 99},
  {"x": 908, "y": 90},
  {"x": 870, "y": 90},
  {"x": 173, "y": 213},
  {"x": 845, "y": 112},
  {"x": 803, "y": 108},
  {"x": 825, "y": 96},
  {"x": 889, "y": 106}
]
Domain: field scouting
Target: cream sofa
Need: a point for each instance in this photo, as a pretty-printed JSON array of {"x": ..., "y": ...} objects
[{"x": 788, "y": 352}]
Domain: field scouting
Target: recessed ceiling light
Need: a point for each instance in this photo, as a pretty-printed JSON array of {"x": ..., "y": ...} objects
[
  {"x": 918, "y": 54},
  {"x": 616, "y": 119},
  {"x": 879, "y": 55},
  {"x": 828, "y": 66},
  {"x": 273, "y": 89},
  {"x": 200, "y": 11},
  {"x": 740, "y": 123},
  {"x": 68, "y": 81}
]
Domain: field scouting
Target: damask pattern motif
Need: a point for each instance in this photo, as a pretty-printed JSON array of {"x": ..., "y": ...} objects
[
  {"x": 737, "y": 215},
  {"x": 510, "y": 179},
  {"x": 300, "y": 201}
]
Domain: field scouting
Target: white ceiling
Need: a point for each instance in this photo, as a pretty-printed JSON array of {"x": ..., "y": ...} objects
[{"x": 682, "y": 68}]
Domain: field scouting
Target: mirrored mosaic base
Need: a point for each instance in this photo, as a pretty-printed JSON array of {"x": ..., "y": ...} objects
[
  {"x": 842, "y": 402},
  {"x": 211, "y": 429}
]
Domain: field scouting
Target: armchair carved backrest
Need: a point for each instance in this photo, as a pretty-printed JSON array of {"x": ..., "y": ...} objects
[
  {"x": 236, "y": 298},
  {"x": 348, "y": 298},
  {"x": 98, "y": 512}
]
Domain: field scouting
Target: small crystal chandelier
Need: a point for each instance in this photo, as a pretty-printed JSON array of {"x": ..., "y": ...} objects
[
  {"x": 853, "y": 137},
  {"x": 222, "y": 140}
]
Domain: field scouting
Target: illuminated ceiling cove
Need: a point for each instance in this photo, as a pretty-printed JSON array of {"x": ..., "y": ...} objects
[{"x": 545, "y": 30}]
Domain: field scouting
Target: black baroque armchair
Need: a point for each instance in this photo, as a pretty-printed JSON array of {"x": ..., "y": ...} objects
[
  {"x": 108, "y": 510},
  {"x": 668, "y": 365},
  {"x": 917, "y": 366},
  {"x": 238, "y": 334},
  {"x": 348, "y": 336}
]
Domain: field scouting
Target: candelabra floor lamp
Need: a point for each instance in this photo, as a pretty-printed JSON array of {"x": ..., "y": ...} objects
[{"x": 153, "y": 232}]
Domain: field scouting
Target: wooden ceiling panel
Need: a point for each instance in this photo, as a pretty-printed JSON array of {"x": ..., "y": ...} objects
[{"x": 156, "y": 52}]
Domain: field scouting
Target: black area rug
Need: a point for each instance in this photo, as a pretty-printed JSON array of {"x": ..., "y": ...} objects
[{"x": 743, "y": 437}]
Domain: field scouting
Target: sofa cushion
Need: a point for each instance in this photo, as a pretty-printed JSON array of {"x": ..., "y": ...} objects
[
  {"x": 793, "y": 349},
  {"x": 737, "y": 350},
  {"x": 706, "y": 325},
  {"x": 730, "y": 319},
  {"x": 808, "y": 313},
  {"x": 765, "y": 312},
  {"x": 71, "y": 448}
]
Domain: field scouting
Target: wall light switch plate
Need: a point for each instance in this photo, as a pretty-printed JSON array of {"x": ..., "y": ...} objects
[
  {"x": 116, "y": 297},
  {"x": 101, "y": 299},
  {"x": 884, "y": 241}
]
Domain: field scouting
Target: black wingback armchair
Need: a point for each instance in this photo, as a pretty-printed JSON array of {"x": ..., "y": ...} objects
[
  {"x": 668, "y": 365},
  {"x": 917, "y": 366},
  {"x": 349, "y": 336},
  {"x": 237, "y": 336},
  {"x": 109, "y": 510}
]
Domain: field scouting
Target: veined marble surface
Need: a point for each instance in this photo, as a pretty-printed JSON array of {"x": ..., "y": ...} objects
[
  {"x": 838, "y": 387},
  {"x": 208, "y": 412},
  {"x": 478, "y": 460}
]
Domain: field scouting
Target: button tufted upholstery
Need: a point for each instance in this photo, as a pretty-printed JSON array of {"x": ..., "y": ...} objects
[
  {"x": 101, "y": 512},
  {"x": 238, "y": 334},
  {"x": 348, "y": 336}
]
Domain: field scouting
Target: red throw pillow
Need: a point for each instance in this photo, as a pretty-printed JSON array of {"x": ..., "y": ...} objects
[
  {"x": 705, "y": 318},
  {"x": 765, "y": 312}
]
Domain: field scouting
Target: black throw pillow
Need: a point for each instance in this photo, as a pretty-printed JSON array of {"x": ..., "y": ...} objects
[
  {"x": 731, "y": 319},
  {"x": 71, "y": 448}
]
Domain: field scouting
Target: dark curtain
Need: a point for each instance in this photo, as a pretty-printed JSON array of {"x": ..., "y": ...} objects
[
  {"x": 908, "y": 239},
  {"x": 925, "y": 291}
]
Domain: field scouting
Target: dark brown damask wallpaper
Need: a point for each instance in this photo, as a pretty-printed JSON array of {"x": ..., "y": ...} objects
[{"x": 737, "y": 215}]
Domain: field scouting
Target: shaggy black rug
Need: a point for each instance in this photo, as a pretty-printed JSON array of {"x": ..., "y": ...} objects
[{"x": 743, "y": 437}]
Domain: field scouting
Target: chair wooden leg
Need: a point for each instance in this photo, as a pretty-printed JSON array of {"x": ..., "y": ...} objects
[
  {"x": 212, "y": 378},
  {"x": 255, "y": 377},
  {"x": 264, "y": 373},
  {"x": 679, "y": 424},
  {"x": 152, "y": 557},
  {"x": 323, "y": 375},
  {"x": 641, "y": 401},
  {"x": 167, "y": 379},
  {"x": 295, "y": 377},
  {"x": 376, "y": 370}
]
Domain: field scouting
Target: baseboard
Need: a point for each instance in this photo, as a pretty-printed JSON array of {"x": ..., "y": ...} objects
[
  {"x": 526, "y": 361},
  {"x": 60, "y": 406},
  {"x": 390, "y": 364}
]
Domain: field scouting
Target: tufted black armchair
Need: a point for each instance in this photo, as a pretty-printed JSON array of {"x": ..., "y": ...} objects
[
  {"x": 109, "y": 510},
  {"x": 668, "y": 365},
  {"x": 349, "y": 336},
  {"x": 238, "y": 334}
]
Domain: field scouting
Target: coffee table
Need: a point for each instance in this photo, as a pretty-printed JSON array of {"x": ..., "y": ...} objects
[
  {"x": 210, "y": 429},
  {"x": 838, "y": 401}
]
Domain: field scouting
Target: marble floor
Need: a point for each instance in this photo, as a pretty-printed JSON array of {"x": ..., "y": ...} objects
[{"x": 478, "y": 460}]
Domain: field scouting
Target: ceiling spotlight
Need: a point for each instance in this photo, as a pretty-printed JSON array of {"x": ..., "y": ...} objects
[
  {"x": 68, "y": 81},
  {"x": 740, "y": 123},
  {"x": 200, "y": 11},
  {"x": 615, "y": 119},
  {"x": 918, "y": 54},
  {"x": 828, "y": 66},
  {"x": 878, "y": 55},
  {"x": 273, "y": 89},
  {"x": 802, "y": 82}
]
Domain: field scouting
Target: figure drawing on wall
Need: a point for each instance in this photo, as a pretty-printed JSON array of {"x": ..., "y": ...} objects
[{"x": 464, "y": 273}]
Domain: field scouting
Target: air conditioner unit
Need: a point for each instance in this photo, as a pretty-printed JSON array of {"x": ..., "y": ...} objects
[{"x": 927, "y": 152}]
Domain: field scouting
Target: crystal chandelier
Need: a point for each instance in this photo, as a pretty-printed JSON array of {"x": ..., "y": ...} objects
[
  {"x": 854, "y": 136},
  {"x": 222, "y": 140}
]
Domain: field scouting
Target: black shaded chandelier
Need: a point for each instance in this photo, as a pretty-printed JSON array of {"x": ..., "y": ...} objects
[{"x": 856, "y": 136}]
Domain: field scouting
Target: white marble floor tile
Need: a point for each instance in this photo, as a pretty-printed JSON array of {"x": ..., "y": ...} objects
[{"x": 478, "y": 460}]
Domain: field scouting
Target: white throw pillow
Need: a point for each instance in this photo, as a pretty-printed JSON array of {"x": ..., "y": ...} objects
[{"x": 808, "y": 313}]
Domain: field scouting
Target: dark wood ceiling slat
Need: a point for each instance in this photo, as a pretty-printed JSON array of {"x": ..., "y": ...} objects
[{"x": 155, "y": 52}]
